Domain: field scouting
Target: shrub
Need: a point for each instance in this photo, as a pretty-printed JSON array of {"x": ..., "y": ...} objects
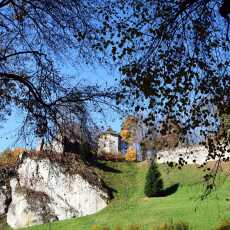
[
  {"x": 105, "y": 228},
  {"x": 224, "y": 226},
  {"x": 173, "y": 226},
  {"x": 117, "y": 228},
  {"x": 153, "y": 182},
  {"x": 134, "y": 227},
  {"x": 95, "y": 227}
]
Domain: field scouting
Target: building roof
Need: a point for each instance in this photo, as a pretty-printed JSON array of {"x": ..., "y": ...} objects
[{"x": 111, "y": 132}]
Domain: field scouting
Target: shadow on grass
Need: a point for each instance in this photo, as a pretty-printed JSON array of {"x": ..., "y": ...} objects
[
  {"x": 104, "y": 167},
  {"x": 110, "y": 191},
  {"x": 170, "y": 190}
]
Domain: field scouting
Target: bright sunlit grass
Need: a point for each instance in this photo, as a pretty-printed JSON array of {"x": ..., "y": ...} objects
[{"x": 130, "y": 206}]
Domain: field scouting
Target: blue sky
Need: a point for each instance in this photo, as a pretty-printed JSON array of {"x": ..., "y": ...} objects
[{"x": 87, "y": 74}]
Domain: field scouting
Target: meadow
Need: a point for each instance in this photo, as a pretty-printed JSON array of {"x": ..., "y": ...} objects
[{"x": 130, "y": 206}]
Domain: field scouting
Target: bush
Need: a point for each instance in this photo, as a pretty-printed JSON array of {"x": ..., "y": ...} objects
[
  {"x": 153, "y": 182},
  {"x": 134, "y": 227},
  {"x": 224, "y": 226},
  {"x": 173, "y": 226},
  {"x": 95, "y": 227}
]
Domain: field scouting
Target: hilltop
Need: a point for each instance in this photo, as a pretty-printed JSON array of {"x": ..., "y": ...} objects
[{"x": 130, "y": 206}]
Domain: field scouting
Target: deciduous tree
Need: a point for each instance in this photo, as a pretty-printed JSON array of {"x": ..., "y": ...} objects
[
  {"x": 131, "y": 154},
  {"x": 35, "y": 37},
  {"x": 174, "y": 58}
]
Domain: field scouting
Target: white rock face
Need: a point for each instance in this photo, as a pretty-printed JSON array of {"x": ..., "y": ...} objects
[
  {"x": 3, "y": 200},
  {"x": 65, "y": 195},
  {"x": 194, "y": 154},
  {"x": 21, "y": 211}
]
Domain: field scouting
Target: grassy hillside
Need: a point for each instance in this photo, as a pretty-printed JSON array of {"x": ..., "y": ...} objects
[{"x": 130, "y": 206}]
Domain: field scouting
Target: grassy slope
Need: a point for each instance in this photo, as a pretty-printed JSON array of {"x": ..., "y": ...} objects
[{"x": 130, "y": 206}]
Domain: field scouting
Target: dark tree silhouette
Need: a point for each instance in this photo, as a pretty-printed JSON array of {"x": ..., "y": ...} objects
[
  {"x": 173, "y": 55},
  {"x": 174, "y": 58},
  {"x": 153, "y": 181},
  {"x": 33, "y": 36}
]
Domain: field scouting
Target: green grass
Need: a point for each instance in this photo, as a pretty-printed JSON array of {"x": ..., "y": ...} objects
[{"x": 130, "y": 206}]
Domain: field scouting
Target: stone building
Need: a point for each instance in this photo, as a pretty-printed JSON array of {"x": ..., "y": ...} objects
[{"x": 109, "y": 142}]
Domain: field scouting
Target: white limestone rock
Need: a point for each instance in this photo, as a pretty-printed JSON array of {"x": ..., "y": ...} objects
[
  {"x": 5, "y": 192},
  {"x": 197, "y": 154},
  {"x": 4, "y": 197},
  {"x": 65, "y": 195},
  {"x": 27, "y": 207}
]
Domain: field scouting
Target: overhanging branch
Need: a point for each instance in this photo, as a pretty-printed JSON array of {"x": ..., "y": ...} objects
[
  {"x": 34, "y": 52},
  {"x": 25, "y": 82}
]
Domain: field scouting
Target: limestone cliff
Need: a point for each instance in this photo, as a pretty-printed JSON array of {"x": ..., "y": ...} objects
[{"x": 47, "y": 190}]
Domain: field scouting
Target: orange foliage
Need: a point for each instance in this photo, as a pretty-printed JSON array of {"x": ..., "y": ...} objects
[
  {"x": 10, "y": 157},
  {"x": 125, "y": 134},
  {"x": 128, "y": 130},
  {"x": 17, "y": 151},
  {"x": 131, "y": 154}
]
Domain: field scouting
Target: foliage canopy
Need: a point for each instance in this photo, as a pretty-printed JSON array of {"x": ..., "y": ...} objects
[{"x": 35, "y": 36}]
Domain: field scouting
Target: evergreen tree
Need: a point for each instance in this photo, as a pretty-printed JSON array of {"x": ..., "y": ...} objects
[{"x": 153, "y": 182}]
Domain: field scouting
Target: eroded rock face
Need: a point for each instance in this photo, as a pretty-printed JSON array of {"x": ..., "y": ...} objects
[
  {"x": 4, "y": 197},
  {"x": 45, "y": 192},
  {"x": 5, "y": 191},
  {"x": 28, "y": 207}
]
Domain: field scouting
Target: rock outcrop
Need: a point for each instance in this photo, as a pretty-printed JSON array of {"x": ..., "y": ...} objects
[
  {"x": 47, "y": 190},
  {"x": 5, "y": 190},
  {"x": 197, "y": 154},
  {"x": 4, "y": 197},
  {"x": 28, "y": 207}
]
